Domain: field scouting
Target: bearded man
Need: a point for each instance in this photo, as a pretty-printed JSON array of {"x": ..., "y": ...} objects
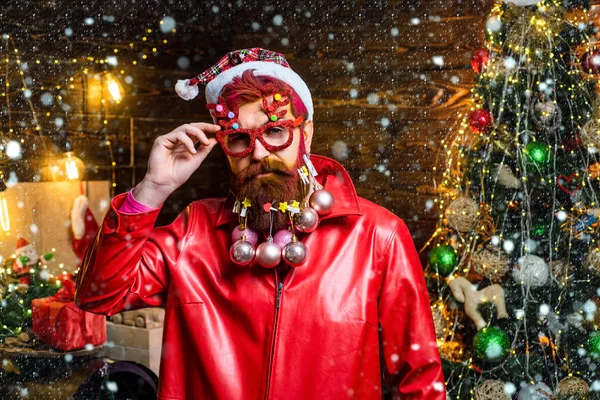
[{"x": 316, "y": 294}]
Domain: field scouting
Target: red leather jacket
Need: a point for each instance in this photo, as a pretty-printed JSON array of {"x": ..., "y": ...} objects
[{"x": 355, "y": 316}]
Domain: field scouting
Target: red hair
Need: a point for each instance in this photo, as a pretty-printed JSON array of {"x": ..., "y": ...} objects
[{"x": 249, "y": 87}]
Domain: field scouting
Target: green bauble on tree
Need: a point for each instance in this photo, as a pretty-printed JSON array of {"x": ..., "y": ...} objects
[
  {"x": 593, "y": 344},
  {"x": 538, "y": 153},
  {"x": 491, "y": 344},
  {"x": 539, "y": 230},
  {"x": 443, "y": 259}
]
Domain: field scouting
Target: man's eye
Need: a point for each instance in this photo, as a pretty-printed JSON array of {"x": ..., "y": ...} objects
[
  {"x": 275, "y": 131},
  {"x": 237, "y": 137}
]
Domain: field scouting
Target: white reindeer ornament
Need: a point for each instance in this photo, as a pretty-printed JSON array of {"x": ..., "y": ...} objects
[{"x": 464, "y": 292}]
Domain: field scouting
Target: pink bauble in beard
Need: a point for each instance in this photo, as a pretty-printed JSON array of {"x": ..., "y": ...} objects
[
  {"x": 294, "y": 254},
  {"x": 251, "y": 235},
  {"x": 268, "y": 254},
  {"x": 282, "y": 238},
  {"x": 242, "y": 252},
  {"x": 322, "y": 202},
  {"x": 306, "y": 220}
]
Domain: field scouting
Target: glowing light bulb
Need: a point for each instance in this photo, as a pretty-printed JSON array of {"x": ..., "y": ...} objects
[
  {"x": 73, "y": 166},
  {"x": 114, "y": 88}
]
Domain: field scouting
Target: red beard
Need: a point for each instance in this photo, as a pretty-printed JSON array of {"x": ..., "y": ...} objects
[{"x": 282, "y": 185}]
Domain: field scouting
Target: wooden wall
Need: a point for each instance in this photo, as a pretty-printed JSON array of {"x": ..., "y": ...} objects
[{"x": 388, "y": 79}]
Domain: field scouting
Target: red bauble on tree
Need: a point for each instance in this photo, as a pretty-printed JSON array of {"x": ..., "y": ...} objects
[
  {"x": 573, "y": 141},
  {"x": 480, "y": 120},
  {"x": 479, "y": 60},
  {"x": 590, "y": 62}
]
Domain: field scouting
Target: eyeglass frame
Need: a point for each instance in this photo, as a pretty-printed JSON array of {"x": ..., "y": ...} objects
[{"x": 257, "y": 133}]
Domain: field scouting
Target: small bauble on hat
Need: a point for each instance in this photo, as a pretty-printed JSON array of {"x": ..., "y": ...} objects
[{"x": 264, "y": 62}]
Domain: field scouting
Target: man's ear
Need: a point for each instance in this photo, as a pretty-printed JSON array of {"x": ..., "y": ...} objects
[{"x": 308, "y": 135}]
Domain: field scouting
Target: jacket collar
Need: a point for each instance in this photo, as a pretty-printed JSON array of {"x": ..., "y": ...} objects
[{"x": 332, "y": 176}]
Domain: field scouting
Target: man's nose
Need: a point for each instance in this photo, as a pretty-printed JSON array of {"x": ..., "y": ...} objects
[{"x": 259, "y": 151}]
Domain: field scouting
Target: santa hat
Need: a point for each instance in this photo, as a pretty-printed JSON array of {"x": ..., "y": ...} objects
[
  {"x": 264, "y": 62},
  {"x": 21, "y": 243}
]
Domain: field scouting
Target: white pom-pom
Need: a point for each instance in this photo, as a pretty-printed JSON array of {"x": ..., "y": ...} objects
[
  {"x": 185, "y": 90},
  {"x": 522, "y": 2}
]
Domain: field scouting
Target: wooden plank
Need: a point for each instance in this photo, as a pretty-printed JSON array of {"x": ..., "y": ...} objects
[
  {"x": 421, "y": 231},
  {"x": 426, "y": 8},
  {"x": 408, "y": 33}
]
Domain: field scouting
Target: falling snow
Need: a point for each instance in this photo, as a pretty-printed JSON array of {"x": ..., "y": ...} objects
[{"x": 167, "y": 25}]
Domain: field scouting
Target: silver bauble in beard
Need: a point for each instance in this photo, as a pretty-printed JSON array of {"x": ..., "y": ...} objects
[
  {"x": 242, "y": 252},
  {"x": 268, "y": 254},
  {"x": 322, "y": 201},
  {"x": 294, "y": 253},
  {"x": 306, "y": 220}
]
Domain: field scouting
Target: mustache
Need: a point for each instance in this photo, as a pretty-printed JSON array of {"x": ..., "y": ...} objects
[{"x": 265, "y": 167}]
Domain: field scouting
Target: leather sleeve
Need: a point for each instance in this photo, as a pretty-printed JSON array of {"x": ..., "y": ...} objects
[
  {"x": 412, "y": 366},
  {"x": 126, "y": 265}
]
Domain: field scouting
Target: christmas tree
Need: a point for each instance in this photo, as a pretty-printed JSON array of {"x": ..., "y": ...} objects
[
  {"x": 23, "y": 278},
  {"x": 514, "y": 264}
]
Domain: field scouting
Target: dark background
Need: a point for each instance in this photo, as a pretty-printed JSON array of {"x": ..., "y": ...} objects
[{"x": 383, "y": 98}]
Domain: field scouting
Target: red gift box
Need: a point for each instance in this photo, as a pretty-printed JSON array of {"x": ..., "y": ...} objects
[{"x": 61, "y": 324}]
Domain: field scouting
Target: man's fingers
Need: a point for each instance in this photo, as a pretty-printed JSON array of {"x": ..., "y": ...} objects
[
  {"x": 206, "y": 127},
  {"x": 186, "y": 141},
  {"x": 196, "y": 133},
  {"x": 191, "y": 136}
]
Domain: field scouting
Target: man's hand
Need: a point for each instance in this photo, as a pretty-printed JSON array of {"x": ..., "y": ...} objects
[{"x": 172, "y": 161}]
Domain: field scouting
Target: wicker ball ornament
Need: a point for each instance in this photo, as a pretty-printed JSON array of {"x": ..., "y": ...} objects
[
  {"x": 573, "y": 387},
  {"x": 590, "y": 134},
  {"x": 491, "y": 390},
  {"x": 592, "y": 261},
  {"x": 462, "y": 214},
  {"x": 491, "y": 263},
  {"x": 546, "y": 113},
  {"x": 560, "y": 270}
]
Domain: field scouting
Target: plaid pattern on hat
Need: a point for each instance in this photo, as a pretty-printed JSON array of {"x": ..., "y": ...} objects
[{"x": 236, "y": 57}]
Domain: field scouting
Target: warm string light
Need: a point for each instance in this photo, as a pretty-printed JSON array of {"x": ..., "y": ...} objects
[{"x": 153, "y": 42}]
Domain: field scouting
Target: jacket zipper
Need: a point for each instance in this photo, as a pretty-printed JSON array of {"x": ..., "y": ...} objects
[{"x": 274, "y": 334}]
